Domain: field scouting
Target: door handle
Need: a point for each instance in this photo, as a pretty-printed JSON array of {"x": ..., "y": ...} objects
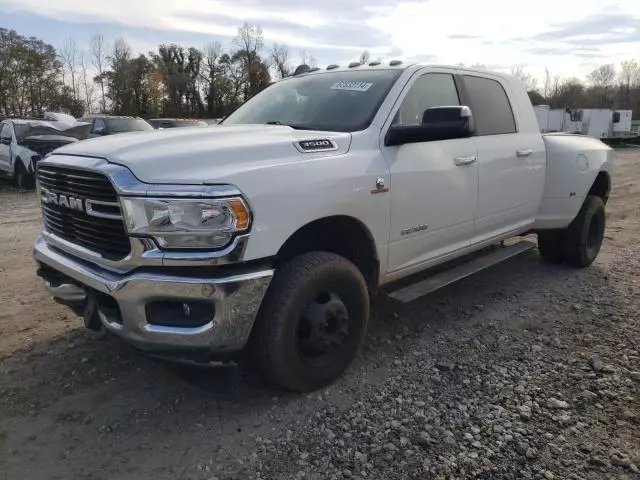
[
  {"x": 523, "y": 153},
  {"x": 466, "y": 160}
]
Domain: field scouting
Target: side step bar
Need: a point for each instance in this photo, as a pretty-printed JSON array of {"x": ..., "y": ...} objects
[{"x": 439, "y": 280}]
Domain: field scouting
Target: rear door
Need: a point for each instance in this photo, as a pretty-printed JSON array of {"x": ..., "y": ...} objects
[{"x": 511, "y": 159}]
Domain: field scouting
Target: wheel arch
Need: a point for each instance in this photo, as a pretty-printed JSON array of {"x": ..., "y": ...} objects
[
  {"x": 340, "y": 234},
  {"x": 601, "y": 186}
]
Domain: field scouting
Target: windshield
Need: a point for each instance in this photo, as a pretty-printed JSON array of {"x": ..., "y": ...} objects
[
  {"x": 344, "y": 101},
  {"x": 120, "y": 125}
]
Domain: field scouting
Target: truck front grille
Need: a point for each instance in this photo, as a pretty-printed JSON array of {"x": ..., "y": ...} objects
[{"x": 82, "y": 207}]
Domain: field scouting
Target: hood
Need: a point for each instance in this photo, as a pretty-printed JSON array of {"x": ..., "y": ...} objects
[
  {"x": 198, "y": 155},
  {"x": 78, "y": 131},
  {"x": 44, "y": 144}
]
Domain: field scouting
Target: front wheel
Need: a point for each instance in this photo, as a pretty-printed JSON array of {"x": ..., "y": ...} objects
[
  {"x": 21, "y": 176},
  {"x": 312, "y": 321}
]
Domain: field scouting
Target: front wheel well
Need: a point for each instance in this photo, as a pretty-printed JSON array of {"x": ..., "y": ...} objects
[
  {"x": 342, "y": 235},
  {"x": 601, "y": 186}
]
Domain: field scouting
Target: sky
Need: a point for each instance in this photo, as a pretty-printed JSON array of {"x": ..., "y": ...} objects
[{"x": 569, "y": 37}]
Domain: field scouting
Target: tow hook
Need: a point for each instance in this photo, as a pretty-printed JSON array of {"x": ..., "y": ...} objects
[{"x": 91, "y": 318}]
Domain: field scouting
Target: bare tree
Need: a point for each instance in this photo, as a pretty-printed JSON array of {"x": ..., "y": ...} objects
[
  {"x": 99, "y": 59},
  {"x": 69, "y": 58},
  {"x": 212, "y": 77},
  {"x": 603, "y": 76},
  {"x": 250, "y": 40},
  {"x": 528, "y": 80},
  {"x": 629, "y": 79},
  {"x": 304, "y": 57},
  {"x": 212, "y": 52},
  {"x": 307, "y": 59},
  {"x": 547, "y": 83},
  {"x": 566, "y": 92},
  {"x": 365, "y": 57},
  {"x": 87, "y": 83},
  {"x": 280, "y": 59},
  {"x": 602, "y": 79}
]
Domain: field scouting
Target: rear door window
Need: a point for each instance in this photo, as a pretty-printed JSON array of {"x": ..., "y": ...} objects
[{"x": 492, "y": 112}]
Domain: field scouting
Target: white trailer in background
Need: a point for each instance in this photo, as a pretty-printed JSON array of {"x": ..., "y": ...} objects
[
  {"x": 542, "y": 116},
  {"x": 558, "y": 119},
  {"x": 623, "y": 125},
  {"x": 597, "y": 123},
  {"x": 608, "y": 124}
]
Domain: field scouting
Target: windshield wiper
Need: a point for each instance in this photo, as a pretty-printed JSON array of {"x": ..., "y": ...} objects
[{"x": 295, "y": 127}]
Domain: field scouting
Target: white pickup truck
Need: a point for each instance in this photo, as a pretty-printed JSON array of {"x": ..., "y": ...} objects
[{"x": 270, "y": 234}]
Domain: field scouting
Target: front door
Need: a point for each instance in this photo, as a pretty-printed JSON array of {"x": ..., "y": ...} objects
[
  {"x": 6, "y": 138},
  {"x": 434, "y": 185}
]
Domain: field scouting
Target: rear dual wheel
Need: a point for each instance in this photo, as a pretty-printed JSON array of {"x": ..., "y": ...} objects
[{"x": 578, "y": 244}]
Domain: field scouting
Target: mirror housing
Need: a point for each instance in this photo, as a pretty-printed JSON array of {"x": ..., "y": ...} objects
[{"x": 438, "y": 123}]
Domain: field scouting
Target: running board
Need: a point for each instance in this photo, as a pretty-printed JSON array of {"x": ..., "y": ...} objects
[{"x": 447, "y": 277}]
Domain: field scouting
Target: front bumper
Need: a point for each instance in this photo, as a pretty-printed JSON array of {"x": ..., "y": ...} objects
[{"x": 236, "y": 299}]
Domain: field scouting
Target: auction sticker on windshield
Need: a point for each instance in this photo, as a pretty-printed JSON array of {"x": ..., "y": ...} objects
[{"x": 352, "y": 85}]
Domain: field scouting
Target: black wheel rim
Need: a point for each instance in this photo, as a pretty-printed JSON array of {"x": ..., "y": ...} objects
[
  {"x": 323, "y": 329},
  {"x": 595, "y": 234}
]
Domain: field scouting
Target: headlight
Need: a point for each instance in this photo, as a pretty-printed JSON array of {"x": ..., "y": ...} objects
[{"x": 186, "y": 223}]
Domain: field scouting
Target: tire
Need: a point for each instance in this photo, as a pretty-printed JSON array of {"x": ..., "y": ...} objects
[
  {"x": 586, "y": 233},
  {"x": 21, "y": 177},
  {"x": 301, "y": 316},
  {"x": 551, "y": 245}
]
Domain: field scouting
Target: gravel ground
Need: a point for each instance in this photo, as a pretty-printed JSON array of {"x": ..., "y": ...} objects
[{"x": 525, "y": 370}]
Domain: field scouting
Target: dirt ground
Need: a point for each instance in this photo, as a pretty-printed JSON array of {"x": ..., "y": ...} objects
[{"x": 74, "y": 405}]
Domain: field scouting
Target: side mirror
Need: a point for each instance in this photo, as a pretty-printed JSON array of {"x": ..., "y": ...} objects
[
  {"x": 616, "y": 117},
  {"x": 439, "y": 123}
]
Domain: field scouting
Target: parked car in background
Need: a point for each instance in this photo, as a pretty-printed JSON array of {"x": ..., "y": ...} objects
[
  {"x": 212, "y": 121},
  {"x": 26, "y": 141},
  {"x": 102, "y": 125},
  {"x": 176, "y": 122}
]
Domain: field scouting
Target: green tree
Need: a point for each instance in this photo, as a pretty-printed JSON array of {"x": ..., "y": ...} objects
[{"x": 30, "y": 77}]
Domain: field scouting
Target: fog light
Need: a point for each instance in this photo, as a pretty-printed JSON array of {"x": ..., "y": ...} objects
[{"x": 180, "y": 314}]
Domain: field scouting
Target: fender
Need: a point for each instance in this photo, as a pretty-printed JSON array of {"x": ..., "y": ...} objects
[
  {"x": 573, "y": 165},
  {"x": 22, "y": 155}
]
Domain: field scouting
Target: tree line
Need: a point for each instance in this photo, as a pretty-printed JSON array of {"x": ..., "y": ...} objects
[
  {"x": 210, "y": 82},
  {"x": 605, "y": 87},
  {"x": 174, "y": 81}
]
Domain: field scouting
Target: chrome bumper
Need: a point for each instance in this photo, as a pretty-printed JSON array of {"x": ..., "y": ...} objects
[{"x": 236, "y": 299}]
